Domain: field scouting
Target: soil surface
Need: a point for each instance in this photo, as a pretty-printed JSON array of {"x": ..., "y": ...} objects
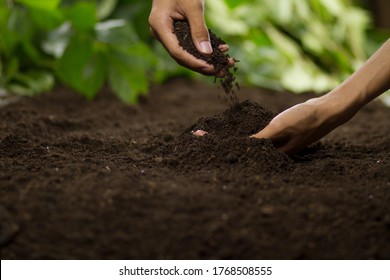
[{"x": 104, "y": 180}]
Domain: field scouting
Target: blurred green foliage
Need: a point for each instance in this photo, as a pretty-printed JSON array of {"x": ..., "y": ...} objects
[
  {"x": 282, "y": 44},
  {"x": 82, "y": 44},
  {"x": 301, "y": 46}
]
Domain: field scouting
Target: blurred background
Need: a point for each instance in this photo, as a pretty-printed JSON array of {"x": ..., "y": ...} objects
[{"x": 294, "y": 45}]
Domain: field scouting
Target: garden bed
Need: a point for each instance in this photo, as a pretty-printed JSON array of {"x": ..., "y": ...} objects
[{"x": 103, "y": 180}]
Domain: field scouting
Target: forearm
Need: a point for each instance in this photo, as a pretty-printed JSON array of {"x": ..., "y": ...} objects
[
  {"x": 304, "y": 123},
  {"x": 369, "y": 81}
]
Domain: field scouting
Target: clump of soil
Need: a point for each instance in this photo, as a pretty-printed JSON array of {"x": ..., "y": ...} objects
[
  {"x": 226, "y": 143},
  {"x": 218, "y": 59}
]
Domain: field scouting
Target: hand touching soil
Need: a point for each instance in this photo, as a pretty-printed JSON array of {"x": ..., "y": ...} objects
[{"x": 305, "y": 123}]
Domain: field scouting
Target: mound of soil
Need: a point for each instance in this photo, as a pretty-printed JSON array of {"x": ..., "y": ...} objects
[
  {"x": 227, "y": 142},
  {"x": 103, "y": 180}
]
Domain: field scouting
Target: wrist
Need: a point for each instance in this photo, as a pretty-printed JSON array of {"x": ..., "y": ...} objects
[
  {"x": 367, "y": 83},
  {"x": 341, "y": 104}
]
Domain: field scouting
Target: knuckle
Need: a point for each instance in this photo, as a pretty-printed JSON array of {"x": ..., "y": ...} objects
[
  {"x": 151, "y": 20},
  {"x": 153, "y": 25},
  {"x": 154, "y": 20}
]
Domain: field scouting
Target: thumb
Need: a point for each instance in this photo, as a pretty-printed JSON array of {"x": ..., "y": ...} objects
[
  {"x": 199, "y": 32},
  {"x": 264, "y": 133}
]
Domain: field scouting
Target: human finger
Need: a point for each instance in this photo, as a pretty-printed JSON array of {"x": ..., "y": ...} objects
[
  {"x": 199, "y": 133},
  {"x": 163, "y": 32},
  {"x": 199, "y": 31}
]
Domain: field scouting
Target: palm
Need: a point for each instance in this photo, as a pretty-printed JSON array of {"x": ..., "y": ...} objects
[{"x": 298, "y": 126}]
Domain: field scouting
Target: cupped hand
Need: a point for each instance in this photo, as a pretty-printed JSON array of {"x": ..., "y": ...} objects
[
  {"x": 162, "y": 16},
  {"x": 297, "y": 127}
]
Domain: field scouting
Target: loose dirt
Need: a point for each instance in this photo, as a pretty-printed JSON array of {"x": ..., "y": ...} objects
[
  {"x": 218, "y": 59},
  {"x": 103, "y": 180}
]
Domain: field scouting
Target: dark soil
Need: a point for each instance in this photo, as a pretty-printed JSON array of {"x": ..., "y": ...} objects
[
  {"x": 103, "y": 180},
  {"x": 218, "y": 59}
]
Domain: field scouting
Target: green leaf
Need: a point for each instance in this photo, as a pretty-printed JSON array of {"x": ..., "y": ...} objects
[
  {"x": 11, "y": 69},
  {"x": 41, "y": 4},
  {"x": 20, "y": 90},
  {"x": 260, "y": 38},
  {"x": 105, "y": 8},
  {"x": 233, "y": 3},
  {"x": 33, "y": 53},
  {"x": 57, "y": 40},
  {"x": 334, "y": 7},
  {"x": 221, "y": 14},
  {"x": 94, "y": 74},
  {"x": 8, "y": 40},
  {"x": 38, "y": 81},
  {"x": 127, "y": 84},
  {"x": 46, "y": 19},
  {"x": 74, "y": 59},
  {"x": 19, "y": 23},
  {"x": 116, "y": 32},
  {"x": 127, "y": 72},
  {"x": 82, "y": 15},
  {"x": 31, "y": 83},
  {"x": 4, "y": 12},
  {"x": 166, "y": 67},
  {"x": 81, "y": 67}
]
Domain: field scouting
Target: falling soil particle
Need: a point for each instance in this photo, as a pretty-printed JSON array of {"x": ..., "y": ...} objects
[{"x": 218, "y": 59}]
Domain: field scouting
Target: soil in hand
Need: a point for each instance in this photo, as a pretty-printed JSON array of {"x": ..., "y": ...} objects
[{"x": 218, "y": 59}]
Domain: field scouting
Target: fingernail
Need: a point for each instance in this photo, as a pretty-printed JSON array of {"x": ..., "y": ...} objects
[
  {"x": 224, "y": 47},
  {"x": 199, "y": 133},
  {"x": 205, "y": 46}
]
